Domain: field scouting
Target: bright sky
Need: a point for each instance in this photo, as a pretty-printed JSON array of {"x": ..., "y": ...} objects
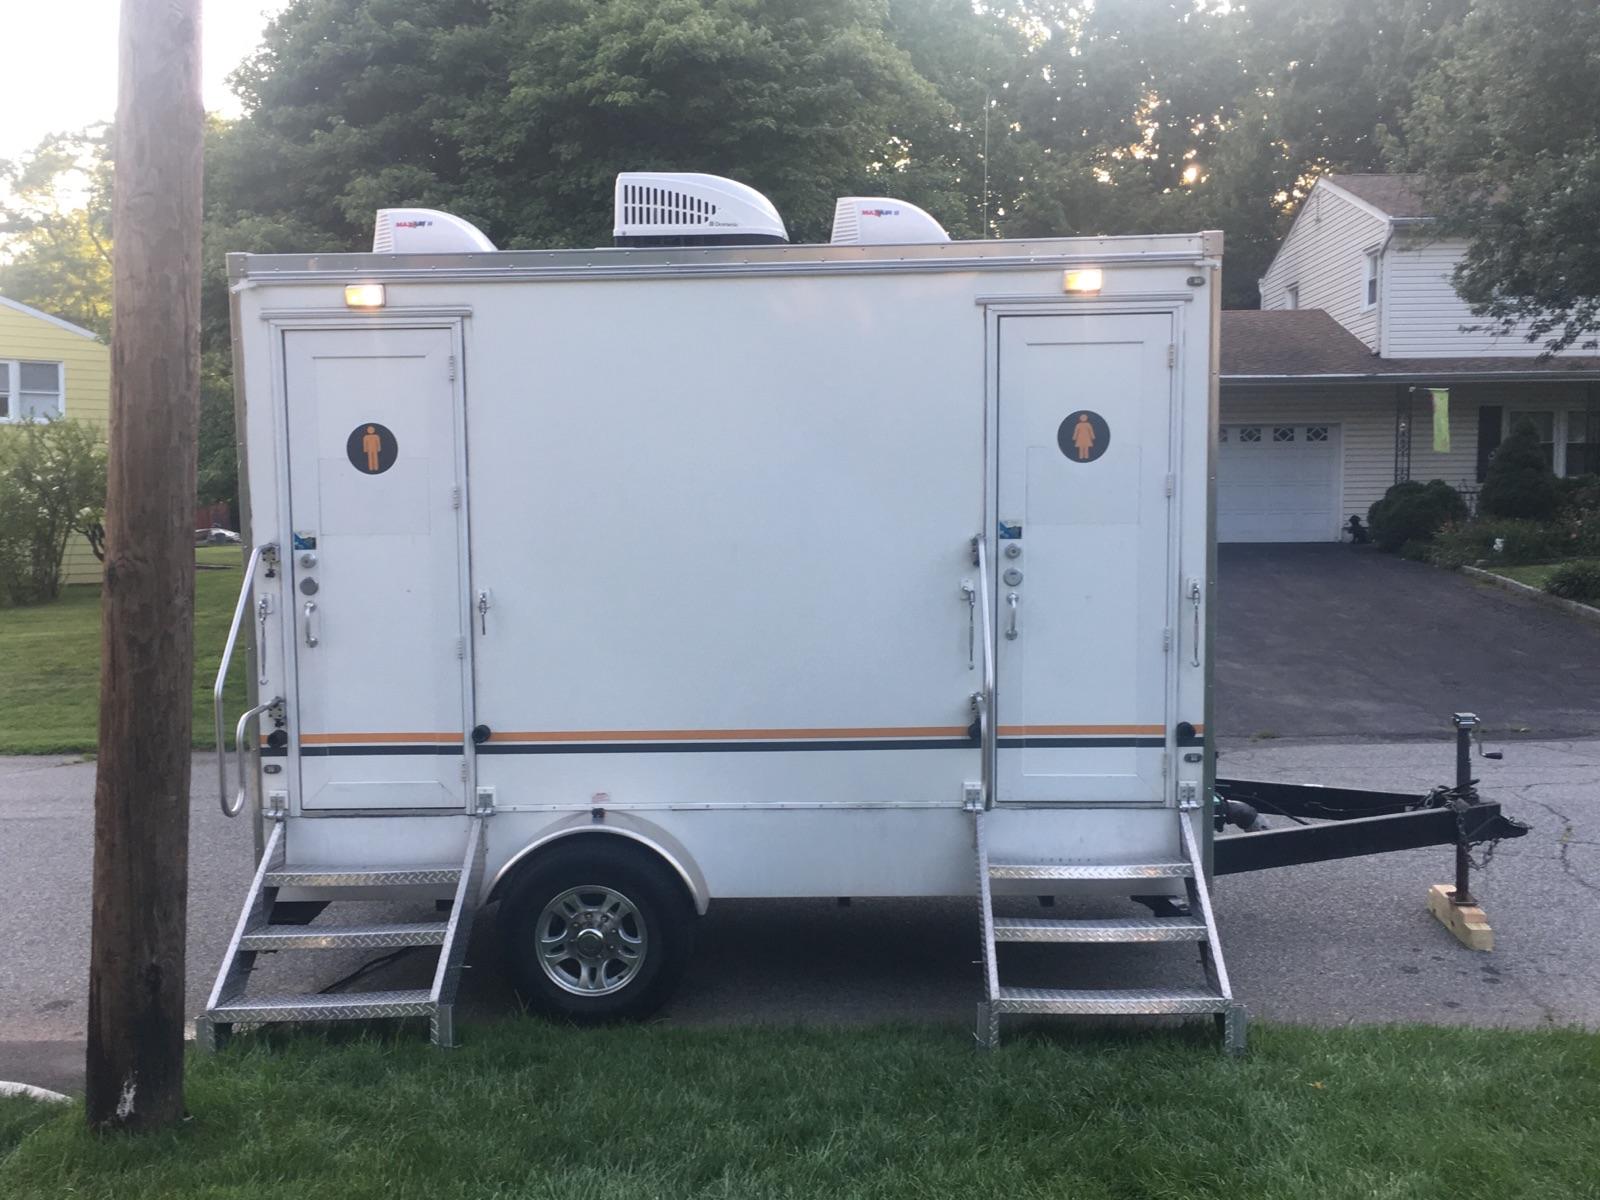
[{"x": 60, "y": 71}]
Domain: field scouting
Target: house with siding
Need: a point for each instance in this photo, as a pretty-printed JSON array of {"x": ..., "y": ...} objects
[
  {"x": 1364, "y": 367},
  {"x": 50, "y": 368}
]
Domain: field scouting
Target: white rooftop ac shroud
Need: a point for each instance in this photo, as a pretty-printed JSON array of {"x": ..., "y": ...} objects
[
  {"x": 685, "y": 208},
  {"x": 883, "y": 221},
  {"x": 425, "y": 231}
]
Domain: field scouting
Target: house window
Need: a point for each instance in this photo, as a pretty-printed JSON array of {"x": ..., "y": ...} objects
[
  {"x": 1222, "y": 434},
  {"x": 1316, "y": 433},
  {"x": 30, "y": 391},
  {"x": 1369, "y": 283},
  {"x": 1583, "y": 442},
  {"x": 1250, "y": 433},
  {"x": 1291, "y": 296},
  {"x": 1283, "y": 433}
]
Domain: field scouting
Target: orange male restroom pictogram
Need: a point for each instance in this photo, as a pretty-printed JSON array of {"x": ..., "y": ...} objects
[
  {"x": 1083, "y": 436},
  {"x": 371, "y": 448}
]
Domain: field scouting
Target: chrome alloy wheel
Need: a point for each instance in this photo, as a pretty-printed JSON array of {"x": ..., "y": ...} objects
[{"x": 592, "y": 941}]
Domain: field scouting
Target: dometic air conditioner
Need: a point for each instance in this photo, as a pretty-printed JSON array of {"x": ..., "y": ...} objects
[
  {"x": 684, "y": 209},
  {"x": 882, "y": 221},
  {"x": 425, "y": 231}
]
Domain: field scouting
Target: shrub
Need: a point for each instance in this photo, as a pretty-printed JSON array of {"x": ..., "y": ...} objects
[
  {"x": 1576, "y": 581},
  {"x": 1519, "y": 482},
  {"x": 1521, "y": 542},
  {"x": 52, "y": 483},
  {"x": 1414, "y": 512}
]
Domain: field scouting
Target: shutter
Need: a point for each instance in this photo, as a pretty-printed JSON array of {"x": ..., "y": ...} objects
[{"x": 1490, "y": 419}]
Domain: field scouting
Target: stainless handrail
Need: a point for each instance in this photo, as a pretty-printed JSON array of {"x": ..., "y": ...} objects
[
  {"x": 986, "y": 713},
  {"x": 232, "y": 809}
]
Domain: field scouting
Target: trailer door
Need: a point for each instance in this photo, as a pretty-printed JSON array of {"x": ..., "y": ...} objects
[
  {"x": 1083, "y": 565},
  {"x": 375, "y": 569}
]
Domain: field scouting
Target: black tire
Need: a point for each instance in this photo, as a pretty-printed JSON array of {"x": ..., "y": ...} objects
[{"x": 661, "y": 911}]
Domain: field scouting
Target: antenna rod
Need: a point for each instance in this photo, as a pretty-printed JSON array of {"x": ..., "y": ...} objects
[{"x": 986, "y": 102}]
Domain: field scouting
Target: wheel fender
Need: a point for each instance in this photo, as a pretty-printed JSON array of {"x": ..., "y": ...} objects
[{"x": 613, "y": 824}]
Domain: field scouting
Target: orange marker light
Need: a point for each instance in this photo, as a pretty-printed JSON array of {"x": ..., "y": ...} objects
[{"x": 1087, "y": 280}]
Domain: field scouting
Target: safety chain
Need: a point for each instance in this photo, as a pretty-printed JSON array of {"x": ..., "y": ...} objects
[{"x": 1460, "y": 801}]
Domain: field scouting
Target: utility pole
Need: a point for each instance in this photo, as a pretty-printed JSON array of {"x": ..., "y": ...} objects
[{"x": 141, "y": 795}]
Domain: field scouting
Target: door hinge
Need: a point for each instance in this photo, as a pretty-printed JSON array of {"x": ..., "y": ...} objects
[
  {"x": 1172, "y": 356},
  {"x": 1166, "y": 763},
  {"x": 461, "y": 647},
  {"x": 1171, "y": 484},
  {"x": 455, "y": 495},
  {"x": 463, "y": 770},
  {"x": 1166, "y": 638},
  {"x": 452, "y": 361}
]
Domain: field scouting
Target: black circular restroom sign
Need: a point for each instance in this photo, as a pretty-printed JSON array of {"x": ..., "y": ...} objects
[
  {"x": 1083, "y": 436},
  {"x": 371, "y": 448}
]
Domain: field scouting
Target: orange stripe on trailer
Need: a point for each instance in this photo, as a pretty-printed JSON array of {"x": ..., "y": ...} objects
[
  {"x": 387, "y": 739},
  {"x": 724, "y": 735}
]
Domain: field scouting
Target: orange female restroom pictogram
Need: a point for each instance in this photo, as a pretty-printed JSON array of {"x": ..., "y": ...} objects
[{"x": 1083, "y": 436}]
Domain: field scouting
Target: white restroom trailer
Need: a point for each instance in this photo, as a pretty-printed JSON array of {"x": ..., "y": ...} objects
[{"x": 610, "y": 584}]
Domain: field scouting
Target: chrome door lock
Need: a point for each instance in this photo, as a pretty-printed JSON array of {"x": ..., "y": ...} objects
[{"x": 1012, "y": 577}]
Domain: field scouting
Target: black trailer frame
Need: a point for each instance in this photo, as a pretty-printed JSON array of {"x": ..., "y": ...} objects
[{"x": 1348, "y": 823}]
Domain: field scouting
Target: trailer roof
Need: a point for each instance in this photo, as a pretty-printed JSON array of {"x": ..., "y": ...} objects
[{"x": 624, "y": 261}]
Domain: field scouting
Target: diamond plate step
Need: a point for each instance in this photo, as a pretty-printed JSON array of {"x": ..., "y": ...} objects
[
  {"x": 1066, "y": 870},
  {"x": 334, "y": 937},
  {"x": 363, "y": 876},
  {"x": 1141, "y": 1001},
  {"x": 336, "y": 1007},
  {"x": 1120, "y": 929}
]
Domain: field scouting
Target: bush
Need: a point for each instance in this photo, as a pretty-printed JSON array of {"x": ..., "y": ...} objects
[
  {"x": 1414, "y": 512},
  {"x": 1576, "y": 581},
  {"x": 1519, "y": 482},
  {"x": 52, "y": 483},
  {"x": 1521, "y": 542}
]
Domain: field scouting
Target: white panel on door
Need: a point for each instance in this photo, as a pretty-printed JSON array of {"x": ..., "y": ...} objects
[
  {"x": 375, "y": 566},
  {"x": 1082, "y": 565}
]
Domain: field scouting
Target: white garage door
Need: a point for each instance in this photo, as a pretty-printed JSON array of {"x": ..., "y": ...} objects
[{"x": 1277, "y": 483}]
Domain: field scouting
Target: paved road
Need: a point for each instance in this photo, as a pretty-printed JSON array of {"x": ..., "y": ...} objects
[
  {"x": 1347, "y": 643},
  {"x": 1346, "y": 942}
]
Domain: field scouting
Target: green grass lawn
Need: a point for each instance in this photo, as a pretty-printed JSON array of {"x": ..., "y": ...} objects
[
  {"x": 50, "y": 681},
  {"x": 1533, "y": 576},
  {"x": 530, "y": 1110}
]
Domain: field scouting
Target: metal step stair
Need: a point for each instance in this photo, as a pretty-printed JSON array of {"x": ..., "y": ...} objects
[
  {"x": 1101, "y": 929},
  {"x": 1216, "y": 1000},
  {"x": 255, "y": 933}
]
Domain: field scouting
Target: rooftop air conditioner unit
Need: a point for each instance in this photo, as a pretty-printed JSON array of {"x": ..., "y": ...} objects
[
  {"x": 671, "y": 208},
  {"x": 425, "y": 231},
  {"x": 882, "y": 221}
]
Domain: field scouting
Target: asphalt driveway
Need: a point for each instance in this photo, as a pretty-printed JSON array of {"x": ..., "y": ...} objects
[{"x": 1346, "y": 643}]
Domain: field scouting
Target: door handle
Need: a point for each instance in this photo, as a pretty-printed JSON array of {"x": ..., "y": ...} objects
[
  {"x": 1195, "y": 593},
  {"x": 311, "y": 629},
  {"x": 970, "y": 593},
  {"x": 1011, "y": 629}
]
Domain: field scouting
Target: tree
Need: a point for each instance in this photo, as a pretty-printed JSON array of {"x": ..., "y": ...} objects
[
  {"x": 55, "y": 225},
  {"x": 1506, "y": 128},
  {"x": 1519, "y": 482},
  {"x": 52, "y": 484}
]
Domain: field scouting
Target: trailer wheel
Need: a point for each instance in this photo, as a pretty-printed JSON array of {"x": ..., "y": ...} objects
[{"x": 595, "y": 933}]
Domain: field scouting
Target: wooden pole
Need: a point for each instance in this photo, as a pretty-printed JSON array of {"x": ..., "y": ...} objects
[{"x": 141, "y": 834}]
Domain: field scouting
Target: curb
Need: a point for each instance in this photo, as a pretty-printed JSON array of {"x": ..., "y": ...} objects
[
  {"x": 1583, "y": 611},
  {"x": 33, "y": 1093}
]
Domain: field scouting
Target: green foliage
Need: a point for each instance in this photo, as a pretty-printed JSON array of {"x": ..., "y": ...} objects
[
  {"x": 1576, "y": 581},
  {"x": 1414, "y": 512},
  {"x": 1519, "y": 541},
  {"x": 1506, "y": 127},
  {"x": 55, "y": 228},
  {"x": 52, "y": 484},
  {"x": 1519, "y": 482}
]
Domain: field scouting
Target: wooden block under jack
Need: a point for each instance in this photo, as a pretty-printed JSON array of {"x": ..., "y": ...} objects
[{"x": 1466, "y": 921}]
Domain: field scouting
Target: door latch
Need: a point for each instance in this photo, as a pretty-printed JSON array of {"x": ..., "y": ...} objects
[
  {"x": 1195, "y": 594},
  {"x": 485, "y": 602}
]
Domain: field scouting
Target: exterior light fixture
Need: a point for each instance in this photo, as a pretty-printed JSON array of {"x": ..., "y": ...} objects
[
  {"x": 363, "y": 295},
  {"x": 1087, "y": 280}
]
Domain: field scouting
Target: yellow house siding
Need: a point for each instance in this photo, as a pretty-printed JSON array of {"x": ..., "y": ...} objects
[{"x": 86, "y": 368}]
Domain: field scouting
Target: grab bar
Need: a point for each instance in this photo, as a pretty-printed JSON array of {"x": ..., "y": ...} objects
[
  {"x": 231, "y": 806},
  {"x": 985, "y": 700}
]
